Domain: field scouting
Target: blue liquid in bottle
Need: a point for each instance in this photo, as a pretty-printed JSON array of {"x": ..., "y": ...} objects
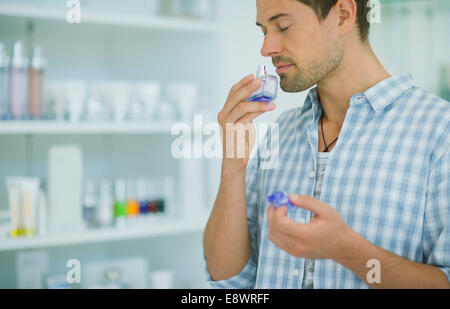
[
  {"x": 261, "y": 98},
  {"x": 267, "y": 92}
]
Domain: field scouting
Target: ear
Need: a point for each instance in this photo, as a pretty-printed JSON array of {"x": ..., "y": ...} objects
[{"x": 346, "y": 11}]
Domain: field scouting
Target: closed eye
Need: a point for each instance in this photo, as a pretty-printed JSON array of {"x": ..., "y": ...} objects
[{"x": 281, "y": 30}]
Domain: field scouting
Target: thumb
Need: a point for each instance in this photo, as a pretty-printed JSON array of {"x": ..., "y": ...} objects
[{"x": 307, "y": 202}]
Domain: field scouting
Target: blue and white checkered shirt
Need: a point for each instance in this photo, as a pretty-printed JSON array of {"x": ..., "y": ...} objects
[{"x": 387, "y": 176}]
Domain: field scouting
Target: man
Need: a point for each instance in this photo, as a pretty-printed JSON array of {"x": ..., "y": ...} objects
[{"x": 366, "y": 159}]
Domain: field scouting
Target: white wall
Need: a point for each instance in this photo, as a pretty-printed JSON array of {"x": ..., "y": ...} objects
[
  {"x": 414, "y": 38},
  {"x": 240, "y": 45}
]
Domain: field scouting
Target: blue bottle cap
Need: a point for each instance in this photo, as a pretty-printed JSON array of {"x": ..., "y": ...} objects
[
  {"x": 261, "y": 71},
  {"x": 278, "y": 198}
]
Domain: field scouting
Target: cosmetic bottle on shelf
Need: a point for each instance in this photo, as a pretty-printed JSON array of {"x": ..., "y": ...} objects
[
  {"x": 36, "y": 83},
  {"x": 18, "y": 82},
  {"x": 90, "y": 205},
  {"x": 4, "y": 82},
  {"x": 142, "y": 197},
  {"x": 106, "y": 204},
  {"x": 120, "y": 204},
  {"x": 132, "y": 204}
]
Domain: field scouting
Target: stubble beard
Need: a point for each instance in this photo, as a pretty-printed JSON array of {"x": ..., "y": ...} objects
[{"x": 314, "y": 71}]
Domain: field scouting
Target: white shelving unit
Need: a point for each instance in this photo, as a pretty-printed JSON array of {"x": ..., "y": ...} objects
[
  {"x": 60, "y": 128},
  {"x": 67, "y": 128},
  {"x": 10, "y": 8},
  {"x": 30, "y": 139},
  {"x": 104, "y": 235}
]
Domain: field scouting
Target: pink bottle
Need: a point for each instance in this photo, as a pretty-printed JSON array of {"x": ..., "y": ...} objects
[
  {"x": 36, "y": 81},
  {"x": 18, "y": 96}
]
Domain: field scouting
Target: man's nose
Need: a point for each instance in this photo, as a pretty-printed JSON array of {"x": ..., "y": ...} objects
[{"x": 271, "y": 46}]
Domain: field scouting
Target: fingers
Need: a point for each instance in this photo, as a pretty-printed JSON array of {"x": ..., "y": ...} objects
[
  {"x": 247, "y": 90},
  {"x": 240, "y": 92},
  {"x": 292, "y": 228},
  {"x": 245, "y": 108},
  {"x": 241, "y": 83},
  {"x": 279, "y": 223},
  {"x": 247, "y": 118},
  {"x": 285, "y": 242},
  {"x": 274, "y": 213},
  {"x": 309, "y": 203}
]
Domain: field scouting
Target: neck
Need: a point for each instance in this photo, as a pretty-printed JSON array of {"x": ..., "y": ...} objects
[{"x": 358, "y": 71}]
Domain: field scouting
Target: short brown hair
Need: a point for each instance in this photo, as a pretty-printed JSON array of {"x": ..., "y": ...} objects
[{"x": 323, "y": 7}]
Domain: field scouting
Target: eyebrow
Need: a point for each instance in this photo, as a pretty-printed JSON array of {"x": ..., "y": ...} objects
[{"x": 275, "y": 17}]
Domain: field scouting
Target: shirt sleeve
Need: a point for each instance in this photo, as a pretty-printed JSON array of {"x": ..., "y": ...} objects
[
  {"x": 247, "y": 277},
  {"x": 437, "y": 212}
]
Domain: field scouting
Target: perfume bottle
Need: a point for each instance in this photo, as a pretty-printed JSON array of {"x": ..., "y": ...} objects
[{"x": 267, "y": 92}]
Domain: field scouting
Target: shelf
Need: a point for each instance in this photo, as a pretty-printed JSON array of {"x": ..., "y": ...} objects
[
  {"x": 58, "y": 128},
  {"x": 408, "y": 1},
  {"x": 10, "y": 8},
  {"x": 104, "y": 235}
]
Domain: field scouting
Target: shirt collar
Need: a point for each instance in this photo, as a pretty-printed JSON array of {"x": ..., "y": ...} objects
[{"x": 379, "y": 96}]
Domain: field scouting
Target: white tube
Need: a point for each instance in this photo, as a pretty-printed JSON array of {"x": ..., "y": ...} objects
[
  {"x": 14, "y": 206},
  {"x": 30, "y": 198},
  {"x": 23, "y": 195}
]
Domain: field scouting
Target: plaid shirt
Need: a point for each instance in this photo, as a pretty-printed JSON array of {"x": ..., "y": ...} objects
[{"x": 387, "y": 176}]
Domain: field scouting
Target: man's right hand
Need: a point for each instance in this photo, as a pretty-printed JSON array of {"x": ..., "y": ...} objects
[{"x": 236, "y": 121}]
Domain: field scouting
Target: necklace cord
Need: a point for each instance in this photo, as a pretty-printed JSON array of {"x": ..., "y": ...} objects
[{"x": 323, "y": 136}]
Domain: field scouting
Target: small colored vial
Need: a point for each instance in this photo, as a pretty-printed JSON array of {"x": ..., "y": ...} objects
[
  {"x": 120, "y": 204},
  {"x": 132, "y": 202},
  {"x": 267, "y": 92},
  {"x": 278, "y": 199}
]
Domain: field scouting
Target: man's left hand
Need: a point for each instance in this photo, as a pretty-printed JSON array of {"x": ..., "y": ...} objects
[{"x": 326, "y": 236}]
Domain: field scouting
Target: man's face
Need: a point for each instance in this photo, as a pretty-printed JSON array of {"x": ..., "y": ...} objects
[{"x": 304, "y": 49}]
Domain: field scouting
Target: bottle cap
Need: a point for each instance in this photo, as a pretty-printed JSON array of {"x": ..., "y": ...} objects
[
  {"x": 141, "y": 189},
  {"x": 3, "y": 56},
  {"x": 278, "y": 199},
  {"x": 105, "y": 189},
  {"x": 261, "y": 71},
  {"x": 151, "y": 189},
  {"x": 37, "y": 62},
  {"x": 89, "y": 199},
  {"x": 131, "y": 189},
  {"x": 120, "y": 190},
  {"x": 18, "y": 58}
]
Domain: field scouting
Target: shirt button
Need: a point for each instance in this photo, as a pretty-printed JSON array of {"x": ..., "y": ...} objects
[
  {"x": 296, "y": 272},
  {"x": 312, "y": 174}
]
